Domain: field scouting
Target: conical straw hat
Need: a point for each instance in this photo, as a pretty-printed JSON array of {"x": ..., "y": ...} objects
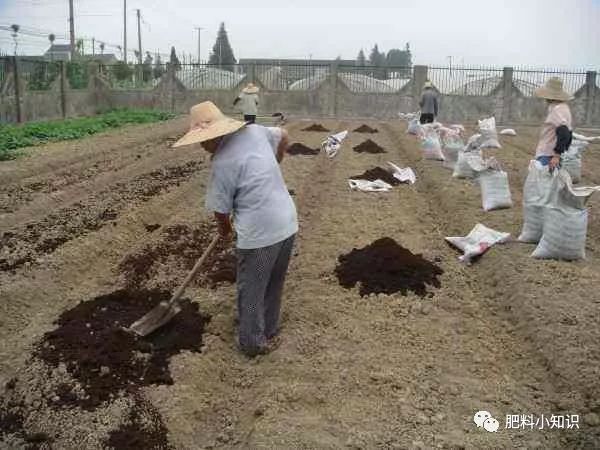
[
  {"x": 553, "y": 90},
  {"x": 208, "y": 122}
]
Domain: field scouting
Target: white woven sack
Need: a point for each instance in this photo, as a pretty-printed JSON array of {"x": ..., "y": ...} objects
[
  {"x": 495, "y": 190},
  {"x": 536, "y": 193},
  {"x": 430, "y": 142},
  {"x": 414, "y": 127},
  {"x": 468, "y": 164},
  {"x": 565, "y": 231},
  {"x": 565, "y": 220},
  {"x": 489, "y": 135}
]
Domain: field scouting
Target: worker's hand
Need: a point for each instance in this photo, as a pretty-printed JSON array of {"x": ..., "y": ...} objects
[
  {"x": 554, "y": 162},
  {"x": 224, "y": 226}
]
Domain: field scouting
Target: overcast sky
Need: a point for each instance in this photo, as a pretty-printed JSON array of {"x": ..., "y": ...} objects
[{"x": 551, "y": 33}]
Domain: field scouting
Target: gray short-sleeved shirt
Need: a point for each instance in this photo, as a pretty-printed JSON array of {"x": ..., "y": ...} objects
[{"x": 246, "y": 180}]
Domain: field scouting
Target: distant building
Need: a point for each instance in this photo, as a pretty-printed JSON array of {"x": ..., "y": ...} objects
[
  {"x": 291, "y": 62},
  {"x": 59, "y": 52},
  {"x": 103, "y": 58}
]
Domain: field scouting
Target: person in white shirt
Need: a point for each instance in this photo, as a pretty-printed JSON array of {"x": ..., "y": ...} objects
[{"x": 246, "y": 182}]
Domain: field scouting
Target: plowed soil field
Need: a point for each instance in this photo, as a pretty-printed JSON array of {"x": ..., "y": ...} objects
[{"x": 97, "y": 231}]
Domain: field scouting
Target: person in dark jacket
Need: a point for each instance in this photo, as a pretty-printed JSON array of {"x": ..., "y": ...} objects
[
  {"x": 428, "y": 104},
  {"x": 557, "y": 130}
]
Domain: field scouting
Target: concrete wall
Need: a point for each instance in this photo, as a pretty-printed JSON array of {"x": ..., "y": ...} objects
[{"x": 332, "y": 98}]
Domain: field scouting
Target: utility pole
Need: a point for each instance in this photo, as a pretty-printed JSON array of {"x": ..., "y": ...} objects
[
  {"x": 93, "y": 46},
  {"x": 125, "y": 31},
  {"x": 71, "y": 28},
  {"x": 139, "y": 38},
  {"x": 199, "y": 53}
]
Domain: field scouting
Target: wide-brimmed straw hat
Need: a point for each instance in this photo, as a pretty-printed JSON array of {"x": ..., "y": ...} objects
[
  {"x": 208, "y": 122},
  {"x": 553, "y": 90},
  {"x": 250, "y": 88}
]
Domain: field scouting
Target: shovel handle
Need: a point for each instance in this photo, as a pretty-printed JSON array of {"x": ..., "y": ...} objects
[{"x": 194, "y": 270}]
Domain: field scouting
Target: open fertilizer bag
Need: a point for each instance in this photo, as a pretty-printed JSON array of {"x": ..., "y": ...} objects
[
  {"x": 495, "y": 190},
  {"x": 469, "y": 164},
  {"x": 430, "y": 142},
  {"x": 458, "y": 127},
  {"x": 536, "y": 195},
  {"x": 369, "y": 186},
  {"x": 477, "y": 242},
  {"x": 571, "y": 159},
  {"x": 489, "y": 135},
  {"x": 406, "y": 175},
  {"x": 333, "y": 142},
  {"x": 565, "y": 220}
]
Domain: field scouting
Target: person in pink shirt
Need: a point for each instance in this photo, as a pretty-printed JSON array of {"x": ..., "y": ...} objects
[{"x": 556, "y": 133}]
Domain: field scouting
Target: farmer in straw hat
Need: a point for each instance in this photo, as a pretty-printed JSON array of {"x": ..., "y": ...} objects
[
  {"x": 556, "y": 132},
  {"x": 428, "y": 104},
  {"x": 246, "y": 181},
  {"x": 248, "y": 102}
]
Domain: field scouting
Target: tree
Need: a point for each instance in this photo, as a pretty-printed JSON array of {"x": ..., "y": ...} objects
[
  {"x": 159, "y": 70},
  {"x": 377, "y": 60},
  {"x": 397, "y": 58},
  {"x": 361, "y": 60},
  {"x": 51, "y": 38},
  {"x": 174, "y": 60},
  {"x": 79, "y": 47},
  {"x": 222, "y": 53},
  {"x": 122, "y": 71},
  {"x": 102, "y": 48}
]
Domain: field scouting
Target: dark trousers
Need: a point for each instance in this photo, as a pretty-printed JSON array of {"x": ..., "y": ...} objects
[
  {"x": 260, "y": 279},
  {"x": 426, "y": 118},
  {"x": 249, "y": 118}
]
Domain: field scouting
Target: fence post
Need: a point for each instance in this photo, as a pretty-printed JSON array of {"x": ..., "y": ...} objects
[
  {"x": 420, "y": 74},
  {"x": 17, "y": 81},
  {"x": 253, "y": 72},
  {"x": 334, "y": 78},
  {"x": 590, "y": 88},
  {"x": 171, "y": 69},
  {"x": 507, "y": 89},
  {"x": 63, "y": 89}
]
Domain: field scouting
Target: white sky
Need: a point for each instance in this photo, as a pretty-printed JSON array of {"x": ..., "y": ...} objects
[{"x": 551, "y": 33}]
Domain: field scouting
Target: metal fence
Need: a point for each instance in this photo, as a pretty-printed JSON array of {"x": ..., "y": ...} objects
[
  {"x": 526, "y": 80},
  {"x": 41, "y": 75},
  {"x": 477, "y": 81}
]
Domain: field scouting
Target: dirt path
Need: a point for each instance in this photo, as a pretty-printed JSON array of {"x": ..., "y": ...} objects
[{"x": 509, "y": 334}]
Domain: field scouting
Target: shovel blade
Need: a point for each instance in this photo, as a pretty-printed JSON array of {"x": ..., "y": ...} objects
[{"x": 156, "y": 318}]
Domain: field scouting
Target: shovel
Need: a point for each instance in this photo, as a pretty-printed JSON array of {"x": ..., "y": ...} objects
[{"x": 165, "y": 311}]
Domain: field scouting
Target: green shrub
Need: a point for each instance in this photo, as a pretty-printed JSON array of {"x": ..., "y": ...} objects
[{"x": 13, "y": 137}]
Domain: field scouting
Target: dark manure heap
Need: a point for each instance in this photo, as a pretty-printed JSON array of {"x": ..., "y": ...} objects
[
  {"x": 377, "y": 173},
  {"x": 97, "y": 351},
  {"x": 315, "y": 127},
  {"x": 301, "y": 149},
  {"x": 369, "y": 147},
  {"x": 366, "y": 129},
  {"x": 385, "y": 267}
]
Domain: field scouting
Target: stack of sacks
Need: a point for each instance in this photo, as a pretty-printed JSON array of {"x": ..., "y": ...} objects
[{"x": 555, "y": 216}]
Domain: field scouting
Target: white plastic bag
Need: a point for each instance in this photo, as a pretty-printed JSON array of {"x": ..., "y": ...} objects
[
  {"x": 468, "y": 164},
  {"x": 489, "y": 135},
  {"x": 581, "y": 137},
  {"x": 406, "y": 175},
  {"x": 430, "y": 142},
  {"x": 495, "y": 190},
  {"x": 414, "y": 127},
  {"x": 536, "y": 195},
  {"x": 565, "y": 220},
  {"x": 478, "y": 241},
  {"x": 458, "y": 127},
  {"x": 508, "y": 132},
  {"x": 369, "y": 186},
  {"x": 332, "y": 144}
]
